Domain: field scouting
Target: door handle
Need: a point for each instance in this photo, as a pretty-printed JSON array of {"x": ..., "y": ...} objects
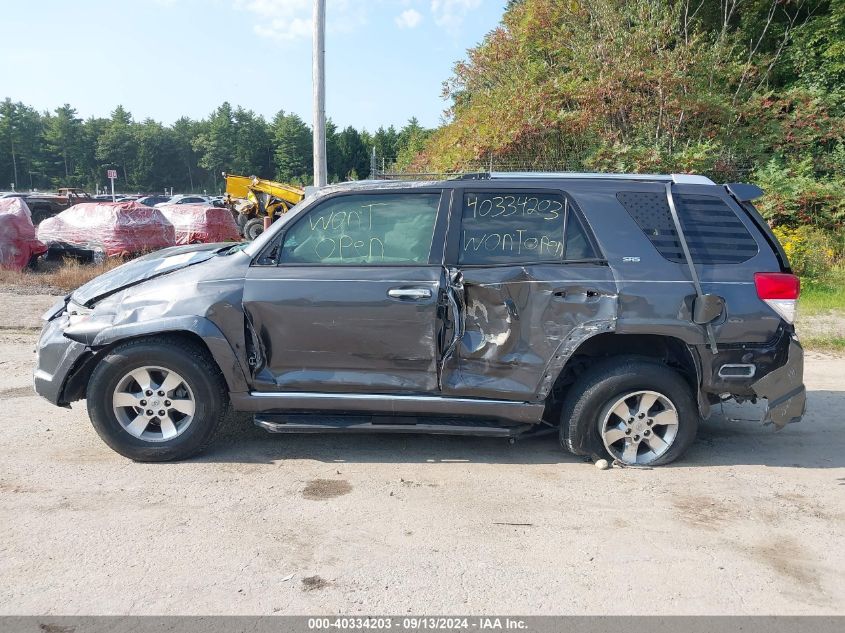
[{"x": 409, "y": 293}]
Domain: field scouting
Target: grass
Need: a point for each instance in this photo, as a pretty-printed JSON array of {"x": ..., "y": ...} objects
[
  {"x": 56, "y": 277},
  {"x": 825, "y": 294},
  {"x": 835, "y": 344},
  {"x": 822, "y": 303}
]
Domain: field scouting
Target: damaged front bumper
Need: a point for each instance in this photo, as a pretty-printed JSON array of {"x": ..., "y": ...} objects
[
  {"x": 57, "y": 356},
  {"x": 783, "y": 389}
]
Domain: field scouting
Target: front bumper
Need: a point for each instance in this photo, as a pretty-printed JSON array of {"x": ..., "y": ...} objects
[
  {"x": 783, "y": 388},
  {"x": 57, "y": 356}
]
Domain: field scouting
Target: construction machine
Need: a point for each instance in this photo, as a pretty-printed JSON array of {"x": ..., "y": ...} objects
[{"x": 252, "y": 199}]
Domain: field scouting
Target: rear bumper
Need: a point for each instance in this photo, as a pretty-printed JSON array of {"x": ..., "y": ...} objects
[
  {"x": 777, "y": 376},
  {"x": 783, "y": 388}
]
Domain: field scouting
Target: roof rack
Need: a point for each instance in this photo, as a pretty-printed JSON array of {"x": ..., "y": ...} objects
[{"x": 690, "y": 179}]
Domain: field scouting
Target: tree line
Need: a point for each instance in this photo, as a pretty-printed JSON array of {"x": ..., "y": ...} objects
[
  {"x": 749, "y": 90},
  {"x": 46, "y": 150}
]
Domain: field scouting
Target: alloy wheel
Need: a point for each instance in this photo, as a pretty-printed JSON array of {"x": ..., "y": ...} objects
[
  {"x": 639, "y": 427},
  {"x": 154, "y": 404}
]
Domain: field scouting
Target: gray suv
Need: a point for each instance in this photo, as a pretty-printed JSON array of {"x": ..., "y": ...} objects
[{"x": 615, "y": 308}]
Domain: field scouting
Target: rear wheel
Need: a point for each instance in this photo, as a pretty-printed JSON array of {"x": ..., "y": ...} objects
[
  {"x": 156, "y": 401},
  {"x": 632, "y": 410}
]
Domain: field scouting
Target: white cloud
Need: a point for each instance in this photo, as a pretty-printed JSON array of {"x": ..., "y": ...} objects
[
  {"x": 292, "y": 19},
  {"x": 289, "y": 20},
  {"x": 409, "y": 19},
  {"x": 450, "y": 14}
]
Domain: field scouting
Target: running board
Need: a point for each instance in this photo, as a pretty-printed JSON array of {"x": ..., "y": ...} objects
[
  {"x": 387, "y": 404},
  {"x": 315, "y": 423}
]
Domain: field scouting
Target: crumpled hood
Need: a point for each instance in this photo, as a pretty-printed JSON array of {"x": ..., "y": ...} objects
[{"x": 144, "y": 268}]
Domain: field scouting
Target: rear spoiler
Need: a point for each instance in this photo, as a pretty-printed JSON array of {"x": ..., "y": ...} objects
[{"x": 744, "y": 193}]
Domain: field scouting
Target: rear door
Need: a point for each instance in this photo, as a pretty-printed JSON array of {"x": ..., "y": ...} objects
[
  {"x": 528, "y": 280},
  {"x": 351, "y": 304}
]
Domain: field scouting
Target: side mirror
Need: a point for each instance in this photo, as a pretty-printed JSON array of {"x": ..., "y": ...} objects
[{"x": 706, "y": 308}]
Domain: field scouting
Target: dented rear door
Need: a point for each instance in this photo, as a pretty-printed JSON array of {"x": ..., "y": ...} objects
[{"x": 527, "y": 283}]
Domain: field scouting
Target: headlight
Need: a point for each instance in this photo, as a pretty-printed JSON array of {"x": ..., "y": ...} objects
[{"x": 77, "y": 314}]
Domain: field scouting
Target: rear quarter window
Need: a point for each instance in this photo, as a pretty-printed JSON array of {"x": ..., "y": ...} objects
[{"x": 714, "y": 233}]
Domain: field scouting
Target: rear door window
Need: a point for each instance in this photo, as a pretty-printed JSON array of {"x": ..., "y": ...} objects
[
  {"x": 714, "y": 233},
  {"x": 365, "y": 229},
  {"x": 502, "y": 227}
]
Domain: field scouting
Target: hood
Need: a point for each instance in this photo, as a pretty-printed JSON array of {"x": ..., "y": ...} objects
[{"x": 144, "y": 268}]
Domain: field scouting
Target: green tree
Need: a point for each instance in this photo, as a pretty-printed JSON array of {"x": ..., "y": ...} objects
[
  {"x": 293, "y": 154},
  {"x": 21, "y": 146},
  {"x": 353, "y": 157},
  {"x": 116, "y": 146},
  {"x": 252, "y": 153},
  {"x": 217, "y": 141},
  {"x": 386, "y": 142},
  {"x": 411, "y": 141},
  {"x": 184, "y": 132},
  {"x": 63, "y": 139},
  {"x": 157, "y": 160},
  {"x": 90, "y": 166}
]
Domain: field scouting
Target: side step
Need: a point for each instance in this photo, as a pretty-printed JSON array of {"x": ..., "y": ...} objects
[{"x": 316, "y": 423}]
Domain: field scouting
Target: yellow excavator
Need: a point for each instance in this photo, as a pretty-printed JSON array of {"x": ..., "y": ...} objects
[{"x": 252, "y": 199}]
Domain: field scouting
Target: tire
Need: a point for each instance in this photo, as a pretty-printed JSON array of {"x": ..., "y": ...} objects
[
  {"x": 201, "y": 391},
  {"x": 253, "y": 228},
  {"x": 591, "y": 423}
]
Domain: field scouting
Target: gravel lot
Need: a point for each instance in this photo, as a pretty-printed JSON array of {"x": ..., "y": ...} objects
[{"x": 751, "y": 522}]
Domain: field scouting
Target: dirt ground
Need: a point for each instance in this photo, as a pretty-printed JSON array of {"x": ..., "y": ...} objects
[{"x": 750, "y": 522}]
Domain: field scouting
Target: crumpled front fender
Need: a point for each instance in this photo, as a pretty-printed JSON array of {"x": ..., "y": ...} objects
[{"x": 97, "y": 334}]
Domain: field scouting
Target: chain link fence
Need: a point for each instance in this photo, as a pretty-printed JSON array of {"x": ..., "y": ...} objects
[{"x": 726, "y": 167}]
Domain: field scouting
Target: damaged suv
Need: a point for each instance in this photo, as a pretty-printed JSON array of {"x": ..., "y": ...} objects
[{"x": 615, "y": 308}]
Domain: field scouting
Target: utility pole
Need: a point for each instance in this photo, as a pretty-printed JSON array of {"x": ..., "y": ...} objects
[{"x": 319, "y": 81}]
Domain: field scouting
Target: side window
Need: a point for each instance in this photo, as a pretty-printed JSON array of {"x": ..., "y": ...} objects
[
  {"x": 381, "y": 229},
  {"x": 714, "y": 233},
  {"x": 516, "y": 227}
]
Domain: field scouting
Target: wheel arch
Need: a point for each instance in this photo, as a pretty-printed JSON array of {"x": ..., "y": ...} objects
[
  {"x": 676, "y": 354},
  {"x": 197, "y": 330}
]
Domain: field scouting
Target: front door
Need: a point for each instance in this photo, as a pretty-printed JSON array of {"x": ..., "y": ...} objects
[
  {"x": 526, "y": 280},
  {"x": 351, "y": 305}
]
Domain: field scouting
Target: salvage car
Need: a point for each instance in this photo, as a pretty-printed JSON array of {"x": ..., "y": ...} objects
[
  {"x": 97, "y": 230},
  {"x": 615, "y": 309},
  {"x": 187, "y": 199},
  {"x": 152, "y": 200},
  {"x": 44, "y": 205},
  {"x": 201, "y": 223},
  {"x": 19, "y": 246}
]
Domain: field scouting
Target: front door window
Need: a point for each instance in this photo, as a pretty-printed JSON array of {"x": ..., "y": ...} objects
[{"x": 365, "y": 230}]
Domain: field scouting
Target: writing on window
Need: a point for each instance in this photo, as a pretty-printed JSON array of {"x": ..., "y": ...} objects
[
  {"x": 365, "y": 229},
  {"x": 505, "y": 227}
]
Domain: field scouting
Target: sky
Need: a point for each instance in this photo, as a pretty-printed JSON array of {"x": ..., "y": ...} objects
[{"x": 386, "y": 60}]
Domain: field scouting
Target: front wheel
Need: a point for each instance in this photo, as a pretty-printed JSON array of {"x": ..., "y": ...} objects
[
  {"x": 635, "y": 411},
  {"x": 156, "y": 402}
]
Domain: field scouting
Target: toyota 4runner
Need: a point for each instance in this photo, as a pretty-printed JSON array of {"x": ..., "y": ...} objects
[{"x": 617, "y": 308}]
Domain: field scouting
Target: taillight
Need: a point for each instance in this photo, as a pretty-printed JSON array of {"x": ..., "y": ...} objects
[{"x": 780, "y": 292}]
